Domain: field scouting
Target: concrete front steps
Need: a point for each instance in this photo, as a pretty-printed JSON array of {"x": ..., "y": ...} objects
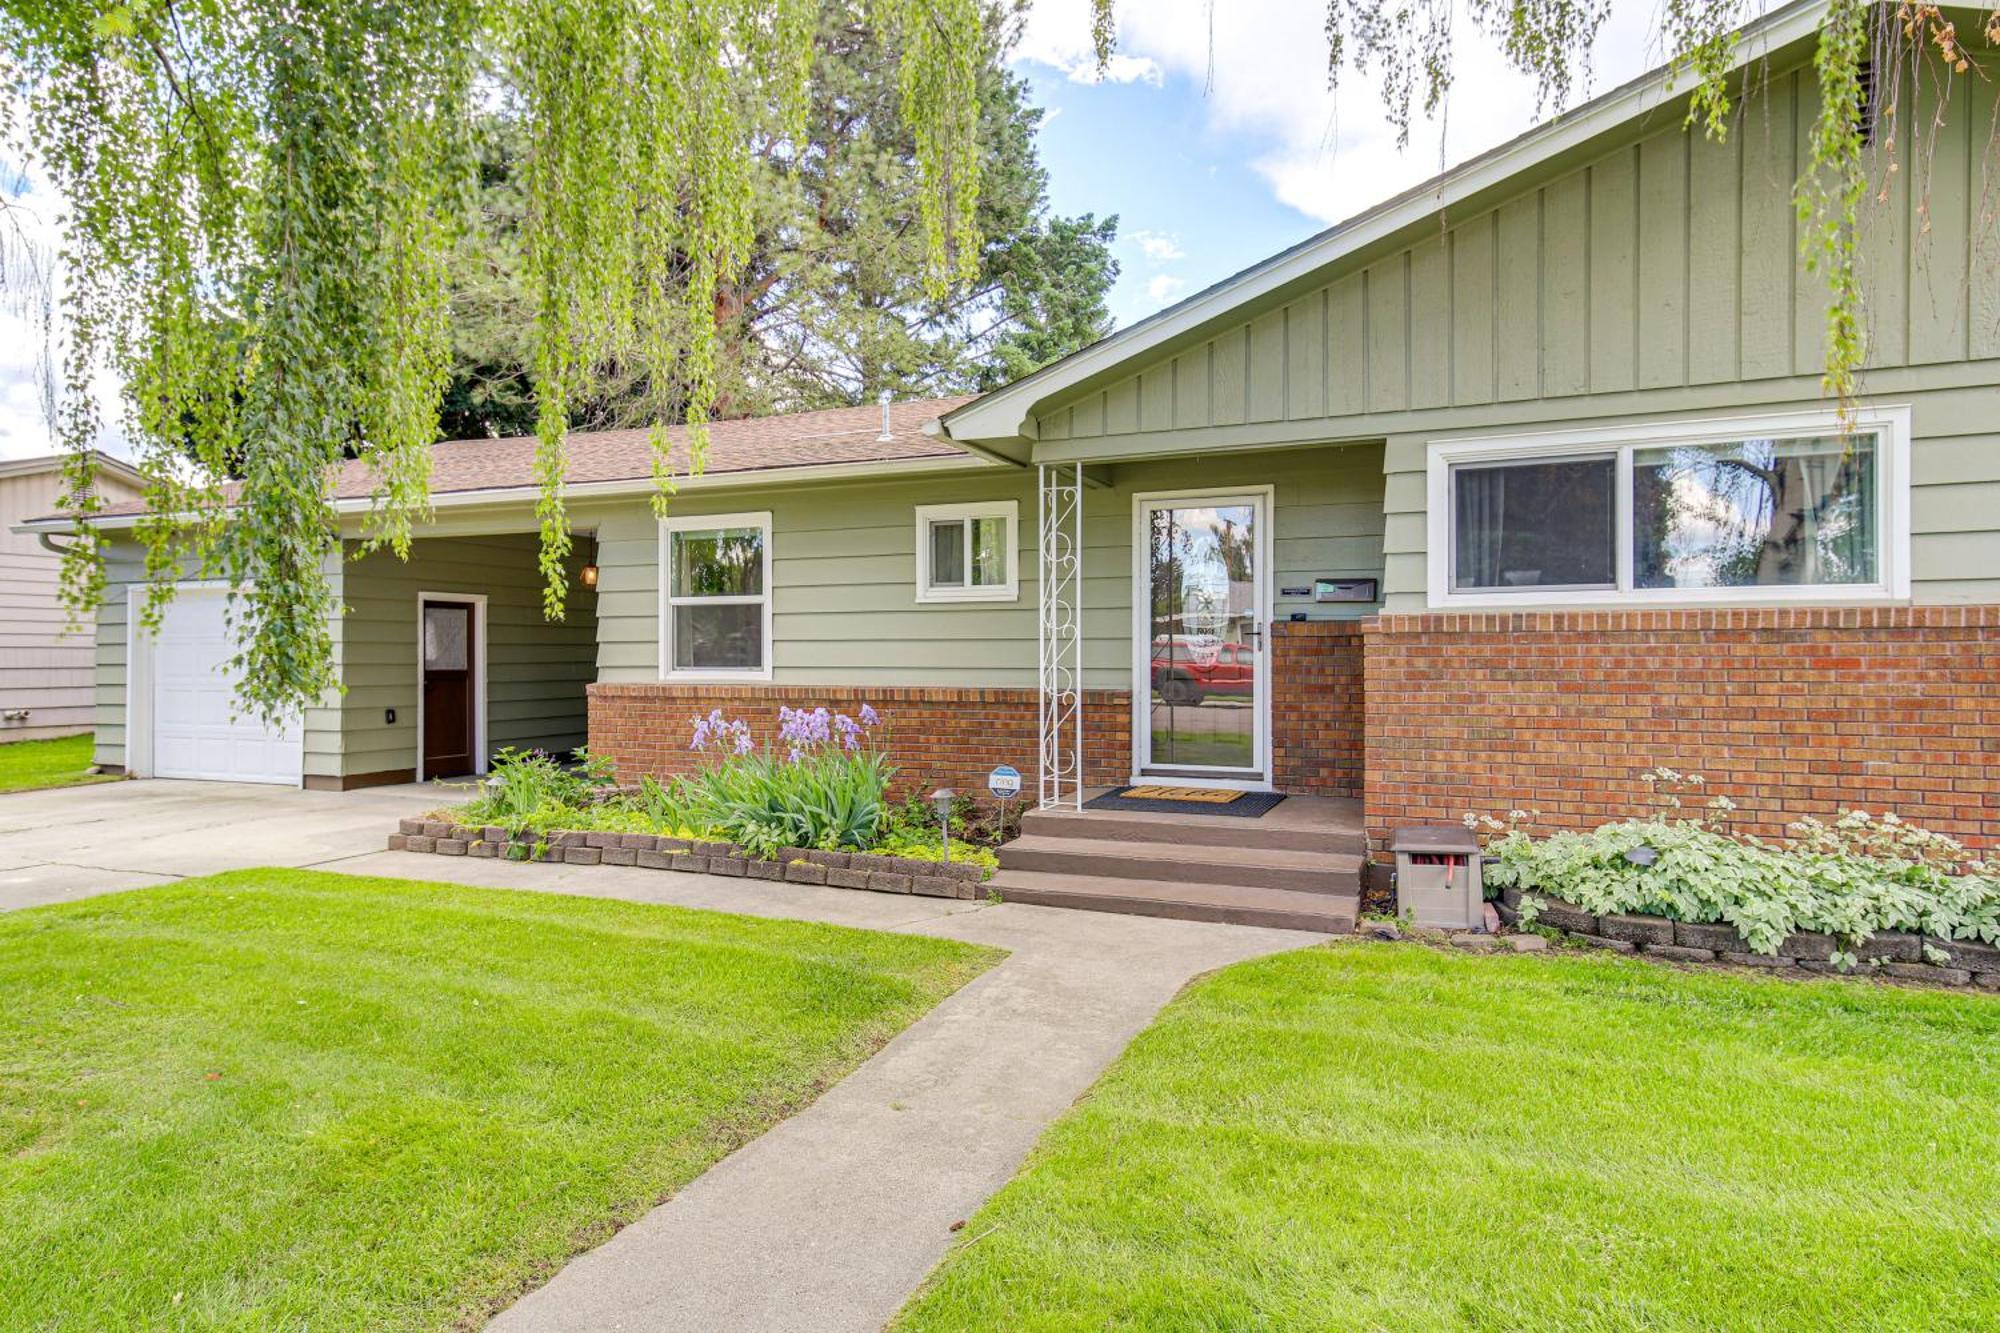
[{"x": 1301, "y": 871}]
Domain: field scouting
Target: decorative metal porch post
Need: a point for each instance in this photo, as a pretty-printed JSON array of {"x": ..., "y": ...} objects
[{"x": 1061, "y": 624}]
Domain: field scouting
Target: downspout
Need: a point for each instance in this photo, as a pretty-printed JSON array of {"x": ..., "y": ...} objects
[{"x": 48, "y": 543}]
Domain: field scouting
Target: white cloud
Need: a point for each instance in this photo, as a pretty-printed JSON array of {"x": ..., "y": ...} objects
[
  {"x": 1157, "y": 247},
  {"x": 1057, "y": 34},
  {"x": 1262, "y": 66},
  {"x": 1162, "y": 287}
]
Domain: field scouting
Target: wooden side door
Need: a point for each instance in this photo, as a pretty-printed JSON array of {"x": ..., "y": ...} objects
[{"x": 450, "y": 685}]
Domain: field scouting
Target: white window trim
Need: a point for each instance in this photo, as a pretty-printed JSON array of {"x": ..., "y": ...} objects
[
  {"x": 1010, "y": 591},
  {"x": 711, "y": 523},
  {"x": 1891, "y": 422}
]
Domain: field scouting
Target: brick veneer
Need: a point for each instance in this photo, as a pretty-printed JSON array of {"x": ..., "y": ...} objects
[
  {"x": 1316, "y": 715},
  {"x": 937, "y": 735},
  {"x": 1787, "y": 712}
]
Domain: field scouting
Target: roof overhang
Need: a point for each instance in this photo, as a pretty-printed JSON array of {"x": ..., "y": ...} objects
[
  {"x": 100, "y": 462},
  {"x": 502, "y": 496},
  {"x": 1006, "y": 417}
]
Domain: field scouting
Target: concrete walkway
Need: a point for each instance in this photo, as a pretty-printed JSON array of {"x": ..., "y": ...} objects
[{"x": 832, "y": 1219}]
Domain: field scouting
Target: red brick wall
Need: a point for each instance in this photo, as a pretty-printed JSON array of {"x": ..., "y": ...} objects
[
  {"x": 1787, "y": 712},
  {"x": 937, "y": 736},
  {"x": 1316, "y": 715}
]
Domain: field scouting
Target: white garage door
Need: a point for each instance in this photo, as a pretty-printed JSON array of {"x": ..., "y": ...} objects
[{"x": 196, "y": 733}]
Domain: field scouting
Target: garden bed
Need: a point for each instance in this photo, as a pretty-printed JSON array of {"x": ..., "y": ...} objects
[
  {"x": 809, "y": 805},
  {"x": 1864, "y": 893},
  {"x": 1900, "y": 954},
  {"x": 794, "y": 865}
]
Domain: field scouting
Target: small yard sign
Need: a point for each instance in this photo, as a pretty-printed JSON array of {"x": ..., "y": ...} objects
[{"x": 1004, "y": 781}]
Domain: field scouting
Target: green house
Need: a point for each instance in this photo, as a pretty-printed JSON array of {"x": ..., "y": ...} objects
[{"x": 1493, "y": 496}]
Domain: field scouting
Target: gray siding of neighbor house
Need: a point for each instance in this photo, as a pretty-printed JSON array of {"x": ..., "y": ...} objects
[
  {"x": 536, "y": 669},
  {"x": 1652, "y": 274},
  {"x": 844, "y": 605},
  {"x": 44, "y": 667}
]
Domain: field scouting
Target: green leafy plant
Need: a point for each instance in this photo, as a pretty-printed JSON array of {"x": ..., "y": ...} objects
[
  {"x": 530, "y": 788},
  {"x": 1852, "y": 878}
]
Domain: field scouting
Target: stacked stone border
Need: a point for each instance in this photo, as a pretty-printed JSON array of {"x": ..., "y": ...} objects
[
  {"x": 1890, "y": 954},
  {"x": 795, "y": 865}
]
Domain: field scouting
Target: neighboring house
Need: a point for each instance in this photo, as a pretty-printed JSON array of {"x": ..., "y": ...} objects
[
  {"x": 47, "y": 676},
  {"x": 1495, "y": 496}
]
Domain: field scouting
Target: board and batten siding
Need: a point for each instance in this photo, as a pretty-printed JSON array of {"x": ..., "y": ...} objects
[
  {"x": 844, "y": 608},
  {"x": 1657, "y": 277},
  {"x": 536, "y": 669}
]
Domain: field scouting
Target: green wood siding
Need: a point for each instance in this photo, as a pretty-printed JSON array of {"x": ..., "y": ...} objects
[
  {"x": 1654, "y": 274},
  {"x": 843, "y": 564},
  {"x": 536, "y": 669}
]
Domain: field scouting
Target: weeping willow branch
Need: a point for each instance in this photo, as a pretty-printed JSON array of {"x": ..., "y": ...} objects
[{"x": 263, "y": 202}]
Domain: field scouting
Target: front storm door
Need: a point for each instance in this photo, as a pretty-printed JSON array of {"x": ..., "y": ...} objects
[
  {"x": 1204, "y": 675},
  {"x": 450, "y": 730}
]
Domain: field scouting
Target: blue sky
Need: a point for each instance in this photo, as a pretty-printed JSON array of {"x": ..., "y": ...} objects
[
  {"x": 1214, "y": 137},
  {"x": 1190, "y": 209}
]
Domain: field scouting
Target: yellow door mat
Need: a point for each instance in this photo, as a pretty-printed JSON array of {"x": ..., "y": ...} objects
[{"x": 1197, "y": 795}]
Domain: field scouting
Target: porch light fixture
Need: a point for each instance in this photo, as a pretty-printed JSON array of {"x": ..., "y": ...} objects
[{"x": 588, "y": 576}]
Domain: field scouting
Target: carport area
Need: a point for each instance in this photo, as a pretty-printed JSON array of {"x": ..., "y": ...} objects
[{"x": 446, "y": 658}]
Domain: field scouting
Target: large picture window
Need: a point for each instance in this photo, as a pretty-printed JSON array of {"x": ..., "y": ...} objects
[
  {"x": 715, "y": 596},
  {"x": 1759, "y": 509}
]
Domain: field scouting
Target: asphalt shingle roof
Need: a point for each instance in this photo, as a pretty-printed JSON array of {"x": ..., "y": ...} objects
[{"x": 829, "y": 437}]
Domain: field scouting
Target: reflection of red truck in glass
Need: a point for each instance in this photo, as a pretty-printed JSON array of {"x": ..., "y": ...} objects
[{"x": 1187, "y": 673}]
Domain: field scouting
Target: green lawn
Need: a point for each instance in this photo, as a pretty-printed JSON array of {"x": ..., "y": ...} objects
[
  {"x": 1386, "y": 1137},
  {"x": 65, "y": 762},
  {"x": 289, "y": 1099}
]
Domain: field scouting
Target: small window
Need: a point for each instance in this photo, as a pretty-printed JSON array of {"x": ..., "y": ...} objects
[
  {"x": 715, "y": 596},
  {"x": 967, "y": 553},
  {"x": 1764, "y": 509}
]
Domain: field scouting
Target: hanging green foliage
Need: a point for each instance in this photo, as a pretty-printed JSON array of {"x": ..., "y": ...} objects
[{"x": 262, "y": 202}]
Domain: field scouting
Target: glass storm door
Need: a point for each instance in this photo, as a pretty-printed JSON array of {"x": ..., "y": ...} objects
[{"x": 1202, "y": 618}]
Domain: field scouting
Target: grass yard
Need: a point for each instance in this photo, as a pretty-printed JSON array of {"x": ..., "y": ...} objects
[
  {"x": 1386, "y": 1137},
  {"x": 64, "y": 762},
  {"x": 283, "y": 1098}
]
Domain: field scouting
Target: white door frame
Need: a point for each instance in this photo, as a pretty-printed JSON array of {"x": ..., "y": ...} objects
[
  {"x": 477, "y": 601},
  {"x": 1259, "y": 778},
  {"x": 140, "y": 645}
]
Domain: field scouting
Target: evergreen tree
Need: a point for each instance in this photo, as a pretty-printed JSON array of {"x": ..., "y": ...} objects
[{"x": 833, "y": 306}]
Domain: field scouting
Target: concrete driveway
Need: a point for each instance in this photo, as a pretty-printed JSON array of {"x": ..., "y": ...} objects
[
  {"x": 72, "y": 842},
  {"x": 832, "y": 1219}
]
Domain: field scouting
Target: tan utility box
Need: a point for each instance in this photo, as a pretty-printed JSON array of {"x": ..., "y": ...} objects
[{"x": 1437, "y": 877}]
